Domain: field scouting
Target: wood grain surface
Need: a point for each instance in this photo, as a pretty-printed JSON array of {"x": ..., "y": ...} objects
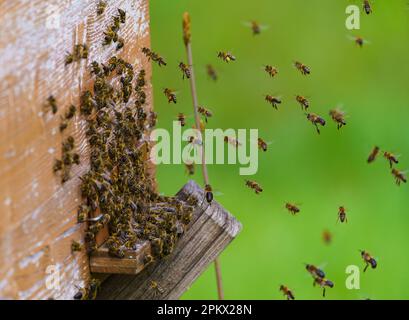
[{"x": 38, "y": 218}]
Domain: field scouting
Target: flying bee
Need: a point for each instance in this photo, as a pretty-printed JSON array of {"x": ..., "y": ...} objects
[
  {"x": 232, "y": 141},
  {"x": 287, "y": 292},
  {"x": 316, "y": 120},
  {"x": 314, "y": 271},
  {"x": 369, "y": 260},
  {"x": 303, "y": 101},
  {"x": 101, "y": 7},
  {"x": 338, "y": 116},
  {"x": 170, "y": 94},
  {"x": 52, "y": 104},
  {"x": 190, "y": 168},
  {"x": 262, "y": 144},
  {"x": 392, "y": 159},
  {"x": 254, "y": 185},
  {"x": 271, "y": 71},
  {"x": 76, "y": 246},
  {"x": 154, "y": 56},
  {"x": 154, "y": 285},
  {"x": 305, "y": 70},
  {"x": 182, "y": 119},
  {"x": 323, "y": 283},
  {"x": 342, "y": 215},
  {"x": 274, "y": 101},
  {"x": 374, "y": 153},
  {"x": 256, "y": 27},
  {"x": 226, "y": 56},
  {"x": 367, "y": 7},
  {"x": 208, "y": 193},
  {"x": 292, "y": 208},
  {"x": 185, "y": 70},
  {"x": 211, "y": 72},
  {"x": 399, "y": 176},
  {"x": 327, "y": 236},
  {"x": 358, "y": 40},
  {"x": 205, "y": 112}
]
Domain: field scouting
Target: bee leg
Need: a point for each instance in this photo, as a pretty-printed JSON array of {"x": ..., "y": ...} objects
[
  {"x": 366, "y": 267},
  {"x": 323, "y": 292},
  {"x": 318, "y": 130}
]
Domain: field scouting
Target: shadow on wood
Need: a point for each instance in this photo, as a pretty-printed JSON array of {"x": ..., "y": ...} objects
[{"x": 211, "y": 230}]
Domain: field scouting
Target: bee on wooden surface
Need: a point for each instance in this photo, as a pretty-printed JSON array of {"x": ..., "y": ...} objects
[
  {"x": 369, "y": 260},
  {"x": 303, "y": 101},
  {"x": 339, "y": 117},
  {"x": 185, "y": 70},
  {"x": 254, "y": 185},
  {"x": 101, "y": 6},
  {"x": 232, "y": 141},
  {"x": 292, "y": 208},
  {"x": 226, "y": 56},
  {"x": 58, "y": 164},
  {"x": 76, "y": 246},
  {"x": 190, "y": 168},
  {"x": 65, "y": 176},
  {"x": 367, "y": 7},
  {"x": 153, "y": 118},
  {"x": 316, "y": 120},
  {"x": 374, "y": 153},
  {"x": 342, "y": 215},
  {"x": 80, "y": 52},
  {"x": 122, "y": 15},
  {"x": 327, "y": 236},
  {"x": 68, "y": 144},
  {"x": 205, "y": 112},
  {"x": 182, "y": 119},
  {"x": 287, "y": 292},
  {"x": 211, "y": 72},
  {"x": 305, "y": 70},
  {"x": 399, "y": 176},
  {"x": 392, "y": 159},
  {"x": 323, "y": 283},
  {"x": 63, "y": 125},
  {"x": 155, "y": 286},
  {"x": 70, "y": 112},
  {"x": 170, "y": 94},
  {"x": 109, "y": 36},
  {"x": 83, "y": 213},
  {"x": 52, "y": 104},
  {"x": 274, "y": 101},
  {"x": 120, "y": 44},
  {"x": 69, "y": 58},
  {"x": 208, "y": 193},
  {"x": 315, "y": 271},
  {"x": 271, "y": 71}
]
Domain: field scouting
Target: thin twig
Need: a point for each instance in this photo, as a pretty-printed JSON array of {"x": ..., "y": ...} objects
[{"x": 186, "y": 39}]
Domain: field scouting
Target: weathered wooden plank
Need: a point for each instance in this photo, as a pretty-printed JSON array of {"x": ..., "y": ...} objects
[
  {"x": 211, "y": 230},
  {"x": 38, "y": 218}
]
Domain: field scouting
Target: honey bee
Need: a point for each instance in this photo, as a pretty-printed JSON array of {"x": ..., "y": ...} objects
[
  {"x": 262, "y": 145},
  {"x": 58, "y": 165},
  {"x": 369, "y": 260},
  {"x": 272, "y": 71},
  {"x": 190, "y": 168},
  {"x": 292, "y": 208},
  {"x": 326, "y": 236},
  {"x": 358, "y": 40},
  {"x": 338, "y": 116},
  {"x": 274, "y": 101},
  {"x": 101, "y": 7},
  {"x": 303, "y": 101},
  {"x": 76, "y": 246},
  {"x": 323, "y": 283},
  {"x": 316, "y": 120},
  {"x": 374, "y": 153},
  {"x": 120, "y": 44},
  {"x": 314, "y": 271},
  {"x": 185, "y": 70},
  {"x": 208, "y": 193},
  {"x": 305, "y": 70},
  {"x": 154, "y": 56},
  {"x": 154, "y": 285},
  {"x": 205, "y": 112},
  {"x": 232, "y": 141},
  {"x": 211, "y": 72},
  {"x": 70, "y": 112},
  {"x": 226, "y": 56},
  {"x": 69, "y": 58},
  {"x": 90, "y": 292},
  {"x": 170, "y": 94},
  {"x": 254, "y": 185},
  {"x": 122, "y": 15},
  {"x": 287, "y": 292},
  {"x": 399, "y": 176},
  {"x": 342, "y": 215},
  {"x": 391, "y": 158},
  {"x": 367, "y": 7},
  {"x": 63, "y": 125},
  {"x": 52, "y": 104},
  {"x": 182, "y": 119}
]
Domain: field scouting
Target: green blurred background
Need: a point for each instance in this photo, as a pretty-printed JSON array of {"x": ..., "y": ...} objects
[{"x": 320, "y": 172}]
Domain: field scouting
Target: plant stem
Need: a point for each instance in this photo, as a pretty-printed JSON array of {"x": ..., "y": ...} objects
[{"x": 187, "y": 35}]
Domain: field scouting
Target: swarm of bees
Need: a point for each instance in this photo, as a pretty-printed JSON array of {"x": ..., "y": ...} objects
[{"x": 111, "y": 33}]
